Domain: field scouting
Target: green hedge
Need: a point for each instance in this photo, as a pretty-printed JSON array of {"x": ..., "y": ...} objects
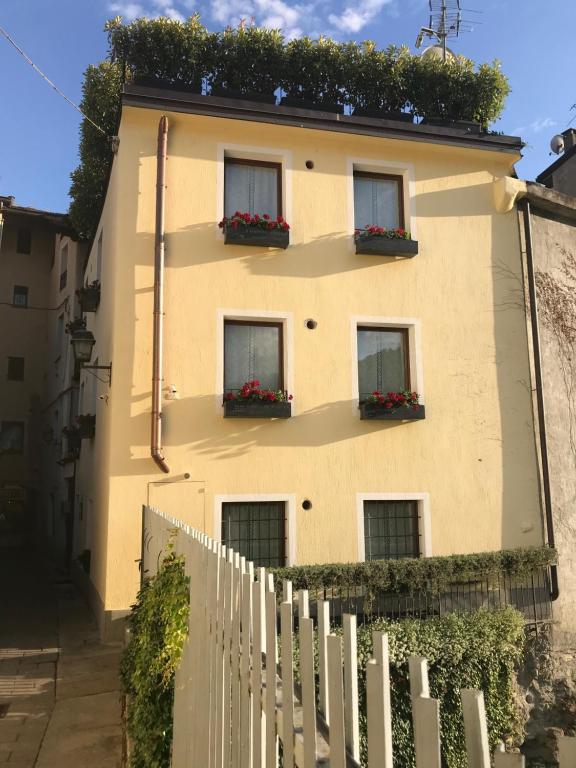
[
  {"x": 159, "y": 625},
  {"x": 322, "y": 70},
  {"x": 412, "y": 574}
]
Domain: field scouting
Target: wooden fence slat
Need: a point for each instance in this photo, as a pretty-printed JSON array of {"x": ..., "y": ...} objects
[
  {"x": 351, "y": 686},
  {"x": 381, "y": 717},
  {"x": 271, "y": 660},
  {"x": 303, "y": 604},
  {"x": 425, "y": 715},
  {"x": 475, "y": 728},
  {"x": 286, "y": 591},
  {"x": 323, "y": 632},
  {"x": 307, "y": 683},
  {"x": 336, "y": 702},
  {"x": 219, "y": 681},
  {"x": 287, "y": 676},
  {"x": 235, "y": 672},
  {"x": 256, "y": 677},
  {"x": 245, "y": 665},
  {"x": 226, "y": 701},
  {"x": 503, "y": 759}
]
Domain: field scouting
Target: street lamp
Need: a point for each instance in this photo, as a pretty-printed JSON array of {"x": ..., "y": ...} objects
[{"x": 82, "y": 343}]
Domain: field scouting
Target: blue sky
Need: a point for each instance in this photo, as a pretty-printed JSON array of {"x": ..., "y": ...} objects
[{"x": 533, "y": 40}]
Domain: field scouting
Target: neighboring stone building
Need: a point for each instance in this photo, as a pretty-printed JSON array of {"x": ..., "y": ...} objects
[
  {"x": 319, "y": 319},
  {"x": 41, "y": 266},
  {"x": 561, "y": 175}
]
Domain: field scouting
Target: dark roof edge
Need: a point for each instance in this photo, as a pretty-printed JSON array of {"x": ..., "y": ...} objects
[
  {"x": 550, "y": 201},
  {"x": 547, "y": 172},
  {"x": 238, "y": 109},
  {"x": 60, "y": 222}
]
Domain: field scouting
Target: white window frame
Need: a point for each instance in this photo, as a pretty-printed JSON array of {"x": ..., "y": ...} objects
[
  {"x": 370, "y": 165},
  {"x": 413, "y": 325},
  {"x": 423, "y": 499},
  {"x": 288, "y": 498},
  {"x": 286, "y": 318},
  {"x": 246, "y": 152}
]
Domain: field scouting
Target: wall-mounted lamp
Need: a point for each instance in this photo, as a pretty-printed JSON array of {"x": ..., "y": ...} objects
[{"x": 82, "y": 343}]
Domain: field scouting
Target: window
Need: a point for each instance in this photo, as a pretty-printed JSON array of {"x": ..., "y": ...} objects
[
  {"x": 257, "y": 530},
  {"x": 378, "y": 200},
  {"x": 252, "y": 186},
  {"x": 383, "y": 360},
  {"x": 391, "y": 530},
  {"x": 20, "y": 298},
  {"x": 253, "y": 350},
  {"x": 15, "y": 369},
  {"x": 11, "y": 437},
  {"x": 63, "y": 266},
  {"x": 24, "y": 240}
]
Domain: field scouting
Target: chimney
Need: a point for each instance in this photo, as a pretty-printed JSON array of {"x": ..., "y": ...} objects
[{"x": 569, "y": 137}]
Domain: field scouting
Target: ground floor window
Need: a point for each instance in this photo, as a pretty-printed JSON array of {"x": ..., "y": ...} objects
[
  {"x": 257, "y": 530},
  {"x": 391, "y": 529}
]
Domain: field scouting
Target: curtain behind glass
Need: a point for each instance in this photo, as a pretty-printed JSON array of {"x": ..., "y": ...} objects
[
  {"x": 391, "y": 529},
  {"x": 252, "y": 352},
  {"x": 250, "y": 189},
  {"x": 381, "y": 362},
  {"x": 375, "y": 203}
]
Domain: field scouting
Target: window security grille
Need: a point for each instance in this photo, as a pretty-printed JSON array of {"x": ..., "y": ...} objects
[
  {"x": 391, "y": 530},
  {"x": 257, "y": 530}
]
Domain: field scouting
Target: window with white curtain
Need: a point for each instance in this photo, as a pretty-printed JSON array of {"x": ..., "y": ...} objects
[
  {"x": 391, "y": 530},
  {"x": 383, "y": 361},
  {"x": 253, "y": 350},
  {"x": 378, "y": 200},
  {"x": 252, "y": 186}
]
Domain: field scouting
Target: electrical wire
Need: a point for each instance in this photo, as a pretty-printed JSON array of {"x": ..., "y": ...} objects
[{"x": 50, "y": 83}]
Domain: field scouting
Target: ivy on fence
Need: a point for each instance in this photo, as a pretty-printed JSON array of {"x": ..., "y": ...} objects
[{"x": 158, "y": 626}]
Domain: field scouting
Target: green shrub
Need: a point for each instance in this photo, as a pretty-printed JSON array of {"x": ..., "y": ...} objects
[
  {"x": 411, "y": 574},
  {"x": 159, "y": 625},
  {"x": 478, "y": 650},
  {"x": 249, "y": 59}
]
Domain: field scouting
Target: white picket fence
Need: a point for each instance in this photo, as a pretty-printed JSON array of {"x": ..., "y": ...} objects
[{"x": 235, "y": 703}]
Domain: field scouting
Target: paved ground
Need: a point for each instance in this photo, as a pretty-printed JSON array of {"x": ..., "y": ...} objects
[{"x": 59, "y": 699}]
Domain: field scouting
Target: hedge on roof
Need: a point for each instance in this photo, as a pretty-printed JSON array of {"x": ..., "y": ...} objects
[
  {"x": 412, "y": 574},
  {"x": 258, "y": 60}
]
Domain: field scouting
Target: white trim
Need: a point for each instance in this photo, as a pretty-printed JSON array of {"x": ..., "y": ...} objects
[
  {"x": 406, "y": 170},
  {"x": 246, "y": 152},
  {"x": 423, "y": 500},
  {"x": 414, "y": 326},
  {"x": 286, "y": 318},
  {"x": 288, "y": 498}
]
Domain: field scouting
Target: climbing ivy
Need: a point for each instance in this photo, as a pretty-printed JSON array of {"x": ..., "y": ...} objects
[{"x": 158, "y": 627}]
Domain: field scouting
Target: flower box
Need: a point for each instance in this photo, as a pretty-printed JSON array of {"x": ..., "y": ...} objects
[
  {"x": 265, "y": 238},
  {"x": 256, "y": 409},
  {"x": 403, "y": 413},
  {"x": 86, "y": 426},
  {"x": 376, "y": 245},
  {"x": 89, "y": 297}
]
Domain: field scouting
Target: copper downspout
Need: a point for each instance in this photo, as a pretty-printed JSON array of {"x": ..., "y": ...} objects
[{"x": 156, "y": 431}]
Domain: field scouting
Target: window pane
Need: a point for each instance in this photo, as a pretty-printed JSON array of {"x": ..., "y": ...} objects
[
  {"x": 24, "y": 240},
  {"x": 376, "y": 203},
  {"x": 391, "y": 529},
  {"x": 255, "y": 530},
  {"x": 11, "y": 437},
  {"x": 382, "y": 357},
  {"x": 252, "y": 352},
  {"x": 20, "y": 298},
  {"x": 15, "y": 368},
  {"x": 63, "y": 266},
  {"x": 250, "y": 189}
]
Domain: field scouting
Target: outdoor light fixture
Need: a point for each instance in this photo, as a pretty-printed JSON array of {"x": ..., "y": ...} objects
[{"x": 82, "y": 343}]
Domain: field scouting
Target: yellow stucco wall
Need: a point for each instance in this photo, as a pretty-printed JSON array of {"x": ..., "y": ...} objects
[{"x": 473, "y": 454}]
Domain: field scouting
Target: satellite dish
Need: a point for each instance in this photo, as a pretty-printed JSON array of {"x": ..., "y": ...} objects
[
  {"x": 437, "y": 52},
  {"x": 557, "y": 144}
]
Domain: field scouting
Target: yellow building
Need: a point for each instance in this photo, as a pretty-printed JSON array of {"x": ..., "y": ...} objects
[{"x": 317, "y": 320}]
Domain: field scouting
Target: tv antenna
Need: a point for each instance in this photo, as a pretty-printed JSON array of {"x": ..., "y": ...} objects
[{"x": 445, "y": 21}]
